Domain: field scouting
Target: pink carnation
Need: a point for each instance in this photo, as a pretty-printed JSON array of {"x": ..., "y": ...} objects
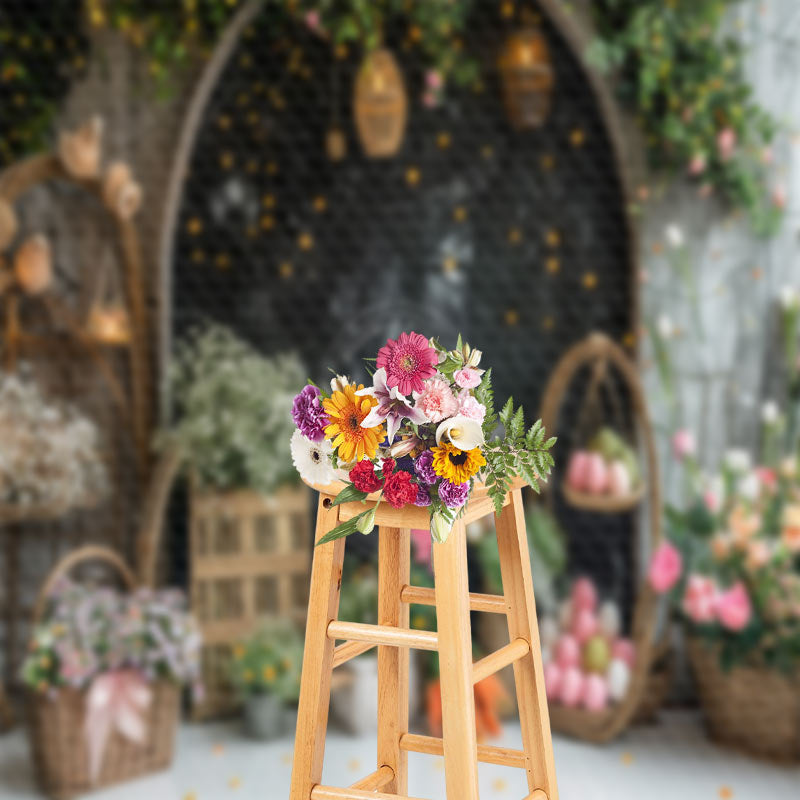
[
  {"x": 665, "y": 568},
  {"x": 733, "y": 607},
  {"x": 700, "y": 599},
  {"x": 437, "y": 401},
  {"x": 467, "y": 378},
  {"x": 468, "y": 406}
]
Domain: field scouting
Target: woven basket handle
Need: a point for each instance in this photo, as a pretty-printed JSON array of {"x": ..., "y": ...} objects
[{"x": 69, "y": 562}]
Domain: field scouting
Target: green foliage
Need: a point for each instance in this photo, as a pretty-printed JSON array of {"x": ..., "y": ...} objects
[
  {"x": 231, "y": 404},
  {"x": 685, "y": 82},
  {"x": 269, "y": 662},
  {"x": 526, "y": 454}
]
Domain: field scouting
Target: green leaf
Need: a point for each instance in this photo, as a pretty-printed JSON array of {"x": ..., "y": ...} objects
[
  {"x": 348, "y": 495},
  {"x": 345, "y": 529}
]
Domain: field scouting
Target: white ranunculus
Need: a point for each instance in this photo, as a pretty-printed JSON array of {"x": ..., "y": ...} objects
[
  {"x": 737, "y": 459},
  {"x": 675, "y": 237},
  {"x": 748, "y": 486},
  {"x": 665, "y": 327},
  {"x": 770, "y": 413},
  {"x": 312, "y": 459},
  {"x": 789, "y": 298},
  {"x": 463, "y": 432}
]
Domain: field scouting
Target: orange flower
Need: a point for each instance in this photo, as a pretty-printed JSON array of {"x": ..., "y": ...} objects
[
  {"x": 346, "y": 412},
  {"x": 721, "y": 546},
  {"x": 790, "y": 533},
  {"x": 743, "y": 525}
]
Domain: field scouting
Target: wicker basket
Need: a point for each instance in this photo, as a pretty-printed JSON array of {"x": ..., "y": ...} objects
[
  {"x": 56, "y": 724},
  {"x": 753, "y": 709},
  {"x": 603, "y": 503}
]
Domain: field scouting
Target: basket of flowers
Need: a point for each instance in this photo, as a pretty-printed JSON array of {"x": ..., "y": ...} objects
[
  {"x": 425, "y": 434},
  {"x": 731, "y": 571},
  {"x": 104, "y": 672}
]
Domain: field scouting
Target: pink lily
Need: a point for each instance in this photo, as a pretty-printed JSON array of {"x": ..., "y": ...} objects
[{"x": 392, "y": 407}]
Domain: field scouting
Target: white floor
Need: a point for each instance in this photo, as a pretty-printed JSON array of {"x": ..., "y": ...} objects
[{"x": 669, "y": 761}]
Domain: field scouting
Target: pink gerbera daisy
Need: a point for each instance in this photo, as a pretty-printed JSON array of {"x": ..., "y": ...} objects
[{"x": 408, "y": 361}]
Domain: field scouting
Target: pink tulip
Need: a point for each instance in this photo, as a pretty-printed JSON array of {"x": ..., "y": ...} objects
[
  {"x": 624, "y": 650},
  {"x": 552, "y": 680},
  {"x": 697, "y": 165},
  {"x": 576, "y": 471},
  {"x": 726, "y": 143},
  {"x": 700, "y": 599},
  {"x": 596, "y": 474},
  {"x": 568, "y": 652},
  {"x": 584, "y": 595},
  {"x": 733, "y": 607},
  {"x": 619, "y": 479},
  {"x": 585, "y": 625},
  {"x": 665, "y": 568},
  {"x": 683, "y": 444},
  {"x": 595, "y": 693},
  {"x": 571, "y": 687}
]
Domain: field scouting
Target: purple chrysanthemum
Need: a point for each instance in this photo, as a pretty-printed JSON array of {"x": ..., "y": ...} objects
[
  {"x": 423, "y": 498},
  {"x": 423, "y": 466},
  {"x": 309, "y": 415},
  {"x": 453, "y": 495}
]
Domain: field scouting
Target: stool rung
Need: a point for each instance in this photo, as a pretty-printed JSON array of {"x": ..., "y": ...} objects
[
  {"x": 422, "y": 596},
  {"x": 349, "y": 650},
  {"x": 375, "y": 781},
  {"x": 334, "y": 793},
  {"x": 512, "y": 652},
  {"x": 383, "y": 634},
  {"x": 432, "y": 746}
]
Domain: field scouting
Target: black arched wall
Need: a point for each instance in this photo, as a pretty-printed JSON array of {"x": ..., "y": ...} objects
[{"x": 517, "y": 240}]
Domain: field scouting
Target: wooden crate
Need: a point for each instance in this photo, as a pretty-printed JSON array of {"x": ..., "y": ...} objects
[{"x": 250, "y": 559}]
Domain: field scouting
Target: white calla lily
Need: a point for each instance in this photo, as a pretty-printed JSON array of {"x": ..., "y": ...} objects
[{"x": 462, "y": 432}]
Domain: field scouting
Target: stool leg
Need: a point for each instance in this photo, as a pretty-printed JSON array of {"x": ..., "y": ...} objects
[
  {"x": 515, "y": 566},
  {"x": 455, "y": 666},
  {"x": 315, "y": 684},
  {"x": 394, "y": 563}
]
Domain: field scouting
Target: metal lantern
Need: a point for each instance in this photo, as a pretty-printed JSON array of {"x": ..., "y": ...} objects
[
  {"x": 380, "y": 105},
  {"x": 527, "y": 75}
]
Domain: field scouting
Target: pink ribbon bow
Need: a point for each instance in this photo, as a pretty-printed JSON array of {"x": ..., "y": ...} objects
[{"x": 115, "y": 701}]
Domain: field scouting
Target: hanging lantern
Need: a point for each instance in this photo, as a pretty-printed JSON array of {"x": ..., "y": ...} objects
[
  {"x": 527, "y": 75},
  {"x": 33, "y": 264},
  {"x": 109, "y": 325},
  {"x": 380, "y": 105}
]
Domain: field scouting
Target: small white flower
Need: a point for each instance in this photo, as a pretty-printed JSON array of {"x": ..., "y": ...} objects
[
  {"x": 463, "y": 432},
  {"x": 737, "y": 460},
  {"x": 748, "y": 486},
  {"x": 664, "y": 326},
  {"x": 789, "y": 298},
  {"x": 675, "y": 237},
  {"x": 770, "y": 413},
  {"x": 312, "y": 459}
]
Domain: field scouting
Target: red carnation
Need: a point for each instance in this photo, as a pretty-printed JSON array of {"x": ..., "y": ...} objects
[
  {"x": 388, "y": 467},
  {"x": 400, "y": 490},
  {"x": 364, "y": 478}
]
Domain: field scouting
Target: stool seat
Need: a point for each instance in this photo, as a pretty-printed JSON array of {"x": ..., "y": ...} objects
[{"x": 452, "y": 640}]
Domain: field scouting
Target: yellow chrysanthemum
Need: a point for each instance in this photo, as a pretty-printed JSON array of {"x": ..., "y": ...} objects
[
  {"x": 346, "y": 412},
  {"x": 457, "y": 466}
]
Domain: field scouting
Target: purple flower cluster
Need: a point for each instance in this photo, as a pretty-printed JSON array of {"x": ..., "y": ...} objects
[
  {"x": 308, "y": 414},
  {"x": 453, "y": 495},
  {"x": 423, "y": 466},
  {"x": 423, "y": 497}
]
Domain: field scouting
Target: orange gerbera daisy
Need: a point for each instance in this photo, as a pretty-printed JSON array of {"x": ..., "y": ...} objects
[{"x": 346, "y": 412}]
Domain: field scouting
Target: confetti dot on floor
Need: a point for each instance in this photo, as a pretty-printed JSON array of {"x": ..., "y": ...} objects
[
  {"x": 218, "y": 749},
  {"x": 190, "y": 796},
  {"x": 234, "y": 783},
  {"x": 725, "y": 792},
  {"x": 499, "y": 785},
  {"x": 353, "y": 764},
  {"x": 286, "y": 758},
  {"x": 438, "y": 764},
  {"x": 627, "y": 759}
]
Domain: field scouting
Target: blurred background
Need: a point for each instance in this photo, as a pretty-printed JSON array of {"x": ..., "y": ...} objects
[{"x": 203, "y": 203}]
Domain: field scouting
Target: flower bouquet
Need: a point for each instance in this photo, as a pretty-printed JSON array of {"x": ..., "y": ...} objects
[{"x": 423, "y": 433}]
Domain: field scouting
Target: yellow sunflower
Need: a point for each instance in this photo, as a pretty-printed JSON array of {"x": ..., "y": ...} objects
[
  {"x": 346, "y": 412},
  {"x": 457, "y": 466}
]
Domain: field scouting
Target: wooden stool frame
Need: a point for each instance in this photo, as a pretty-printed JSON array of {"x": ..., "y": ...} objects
[{"x": 453, "y": 641}]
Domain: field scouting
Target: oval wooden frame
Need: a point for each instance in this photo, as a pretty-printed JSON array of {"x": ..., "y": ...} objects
[{"x": 603, "y": 726}]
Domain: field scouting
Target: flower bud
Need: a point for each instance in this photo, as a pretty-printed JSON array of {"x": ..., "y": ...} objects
[
  {"x": 440, "y": 528},
  {"x": 366, "y": 522}
]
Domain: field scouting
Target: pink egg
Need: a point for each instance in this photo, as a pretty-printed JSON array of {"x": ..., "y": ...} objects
[
  {"x": 619, "y": 479},
  {"x": 624, "y": 650},
  {"x": 552, "y": 680},
  {"x": 595, "y": 693},
  {"x": 596, "y": 478},
  {"x": 572, "y": 682},
  {"x": 568, "y": 651},
  {"x": 584, "y": 625},
  {"x": 584, "y": 594},
  {"x": 576, "y": 471}
]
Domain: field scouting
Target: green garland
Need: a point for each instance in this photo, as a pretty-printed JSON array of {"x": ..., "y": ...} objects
[{"x": 685, "y": 83}]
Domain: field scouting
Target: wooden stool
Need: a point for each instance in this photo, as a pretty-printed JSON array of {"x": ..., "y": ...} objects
[{"x": 453, "y": 641}]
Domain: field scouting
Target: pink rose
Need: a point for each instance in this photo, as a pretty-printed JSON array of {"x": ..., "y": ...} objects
[
  {"x": 700, "y": 599},
  {"x": 683, "y": 444},
  {"x": 665, "y": 568},
  {"x": 767, "y": 477},
  {"x": 758, "y": 554},
  {"x": 433, "y": 79},
  {"x": 467, "y": 378},
  {"x": 697, "y": 164},
  {"x": 437, "y": 401},
  {"x": 469, "y": 407},
  {"x": 584, "y": 594},
  {"x": 312, "y": 19},
  {"x": 779, "y": 197},
  {"x": 430, "y": 100},
  {"x": 733, "y": 607},
  {"x": 726, "y": 143}
]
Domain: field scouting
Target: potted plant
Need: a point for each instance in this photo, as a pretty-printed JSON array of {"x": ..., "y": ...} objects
[
  {"x": 266, "y": 672},
  {"x": 731, "y": 571}
]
